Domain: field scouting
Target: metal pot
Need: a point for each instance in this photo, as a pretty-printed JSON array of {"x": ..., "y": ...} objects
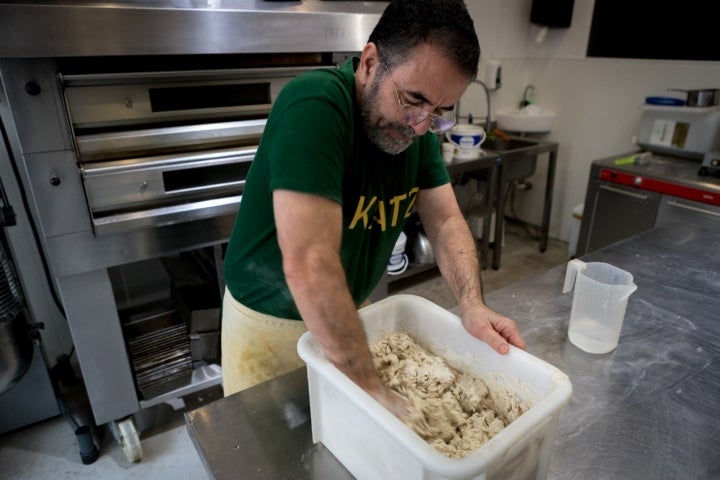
[
  {"x": 705, "y": 97},
  {"x": 422, "y": 250}
]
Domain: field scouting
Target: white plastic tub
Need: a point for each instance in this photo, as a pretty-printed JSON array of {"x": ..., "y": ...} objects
[{"x": 372, "y": 443}]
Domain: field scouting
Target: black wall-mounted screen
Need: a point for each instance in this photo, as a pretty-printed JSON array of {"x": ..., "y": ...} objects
[{"x": 682, "y": 30}]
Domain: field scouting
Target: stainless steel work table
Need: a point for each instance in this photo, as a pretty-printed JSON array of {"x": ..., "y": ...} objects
[
  {"x": 494, "y": 165},
  {"x": 488, "y": 165},
  {"x": 647, "y": 410}
]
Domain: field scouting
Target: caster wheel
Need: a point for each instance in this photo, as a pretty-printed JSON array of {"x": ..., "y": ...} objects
[{"x": 126, "y": 435}]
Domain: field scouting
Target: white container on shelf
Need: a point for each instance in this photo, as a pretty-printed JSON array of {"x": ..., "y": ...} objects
[
  {"x": 372, "y": 443},
  {"x": 684, "y": 131}
]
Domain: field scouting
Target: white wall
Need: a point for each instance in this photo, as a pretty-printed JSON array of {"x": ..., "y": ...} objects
[{"x": 597, "y": 100}]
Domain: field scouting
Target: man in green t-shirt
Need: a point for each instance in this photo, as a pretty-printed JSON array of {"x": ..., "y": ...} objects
[{"x": 347, "y": 154}]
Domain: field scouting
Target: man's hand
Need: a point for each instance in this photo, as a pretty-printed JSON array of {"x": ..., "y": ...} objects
[
  {"x": 492, "y": 328},
  {"x": 403, "y": 409}
]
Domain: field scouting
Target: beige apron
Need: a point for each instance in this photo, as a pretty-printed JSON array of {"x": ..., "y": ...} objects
[{"x": 256, "y": 347}]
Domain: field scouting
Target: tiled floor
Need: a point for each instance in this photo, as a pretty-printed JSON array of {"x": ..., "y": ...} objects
[{"x": 49, "y": 449}]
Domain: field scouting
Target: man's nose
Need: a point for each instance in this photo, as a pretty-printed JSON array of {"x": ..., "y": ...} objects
[{"x": 422, "y": 127}]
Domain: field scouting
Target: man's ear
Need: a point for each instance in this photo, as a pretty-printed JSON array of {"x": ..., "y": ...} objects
[{"x": 369, "y": 64}]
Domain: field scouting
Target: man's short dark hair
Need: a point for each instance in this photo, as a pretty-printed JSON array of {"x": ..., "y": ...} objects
[{"x": 405, "y": 24}]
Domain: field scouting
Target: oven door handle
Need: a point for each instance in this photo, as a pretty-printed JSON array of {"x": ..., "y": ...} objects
[
  {"x": 639, "y": 196},
  {"x": 133, "y": 142},
  {"x": 164, "y": 216},
  {"x": 676, "y": 204},
  {"x": 167, "y": 162}
]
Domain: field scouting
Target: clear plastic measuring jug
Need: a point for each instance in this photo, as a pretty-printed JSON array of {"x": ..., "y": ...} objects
[{"x": 600, "y": 297}]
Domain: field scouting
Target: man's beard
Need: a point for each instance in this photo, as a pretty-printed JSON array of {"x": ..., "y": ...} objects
[{"x": 393, "y": 137}]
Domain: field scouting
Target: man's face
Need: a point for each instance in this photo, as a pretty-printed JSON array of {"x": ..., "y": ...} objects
[
  {"x": 426, "y": 82},
  {"x": 386, "y": 134}
]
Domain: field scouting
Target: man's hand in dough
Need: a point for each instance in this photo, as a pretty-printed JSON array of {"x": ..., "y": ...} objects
[{"x": 402, "y": 408}]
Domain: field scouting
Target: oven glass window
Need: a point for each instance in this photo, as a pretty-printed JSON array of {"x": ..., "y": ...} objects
[
  {"x": 168, "y": 99},
  {"x": 205, "y": 177}
]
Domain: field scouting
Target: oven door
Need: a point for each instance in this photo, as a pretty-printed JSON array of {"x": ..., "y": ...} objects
[{"x": 164, "y": 190}]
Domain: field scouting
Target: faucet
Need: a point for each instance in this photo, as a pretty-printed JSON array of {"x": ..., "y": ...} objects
[
  {"x": 529, "y": 90},
  {"x": 487, "y": 103}
]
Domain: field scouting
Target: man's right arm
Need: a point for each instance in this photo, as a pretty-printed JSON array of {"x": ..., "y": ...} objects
[{"x": 309, "y": 233}]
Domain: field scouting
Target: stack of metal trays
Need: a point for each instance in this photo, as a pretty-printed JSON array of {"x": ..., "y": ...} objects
[{"x": 159, "y": 348}]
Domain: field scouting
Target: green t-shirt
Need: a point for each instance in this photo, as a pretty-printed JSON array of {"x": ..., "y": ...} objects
[{"x": 314, "y": 142}]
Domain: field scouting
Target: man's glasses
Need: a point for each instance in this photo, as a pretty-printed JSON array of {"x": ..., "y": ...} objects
[{"x": 413, "y": 115}]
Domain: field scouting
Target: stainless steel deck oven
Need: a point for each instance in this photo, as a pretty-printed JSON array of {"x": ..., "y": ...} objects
[{"x": 131, "y": 129}]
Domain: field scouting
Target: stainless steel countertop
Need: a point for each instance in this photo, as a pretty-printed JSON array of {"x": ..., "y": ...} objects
[{"x": 647, "y": 410}]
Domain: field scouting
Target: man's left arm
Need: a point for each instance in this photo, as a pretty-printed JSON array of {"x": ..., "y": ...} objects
[{"x": 457, "y": 258}]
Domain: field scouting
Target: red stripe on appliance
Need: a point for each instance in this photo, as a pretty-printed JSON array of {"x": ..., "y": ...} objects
[{"x": 660, "y": 186}]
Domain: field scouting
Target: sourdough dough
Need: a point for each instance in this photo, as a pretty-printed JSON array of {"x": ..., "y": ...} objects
[{"x": 456, "y": 413}]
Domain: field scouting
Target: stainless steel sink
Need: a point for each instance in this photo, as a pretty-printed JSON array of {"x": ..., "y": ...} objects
[
  {"x": 520, "y": 155},
  {"x": 497, "y": 144}
]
